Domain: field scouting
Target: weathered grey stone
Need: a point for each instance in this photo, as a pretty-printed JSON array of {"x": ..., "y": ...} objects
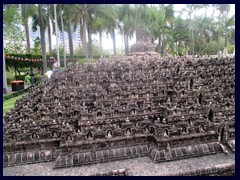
[{"x": 121, "y": 108}]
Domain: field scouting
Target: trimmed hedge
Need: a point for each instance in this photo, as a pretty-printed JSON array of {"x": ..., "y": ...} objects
[
  {"x": 20, "y": 77},
  {"x": 12, "y": 95},
  {"x": 22, "y": 64},
  {"x": 19, "y": 61}
]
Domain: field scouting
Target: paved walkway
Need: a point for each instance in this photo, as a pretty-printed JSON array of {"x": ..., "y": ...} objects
[{"x": 136, "y": 167}]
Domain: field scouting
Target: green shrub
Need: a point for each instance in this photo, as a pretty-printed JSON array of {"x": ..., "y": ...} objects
[
  {"x": 82, "y": 61},
  {"x": 12, "y": 95},
  {"x": 230, "y": 48},
  {"x": 20, "y": 77},
  {"x": 10, "y": 75}
]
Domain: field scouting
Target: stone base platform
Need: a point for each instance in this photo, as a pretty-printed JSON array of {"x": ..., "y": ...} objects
[{"x": 217, "y": 165}]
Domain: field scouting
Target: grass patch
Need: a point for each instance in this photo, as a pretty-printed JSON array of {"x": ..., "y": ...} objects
[{"x": 8, "y": 104}]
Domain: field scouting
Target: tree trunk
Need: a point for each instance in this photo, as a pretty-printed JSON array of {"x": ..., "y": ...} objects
[
  {"x": 226, "y": 39},
  {"x": 218, "y": 44},
  {"x": 163, "y": 45},
  {"x": 84, "y": 40},
  {"x": 28, "y": 43},
  {"x": 193, "y": 36},
  {"x": 201, "y": 41},
  {"x": 177, "y": 48},
  {"x": 89, "y": 40},
  {"x": 159, "y": 43},
  {"x": 25, "y": 23},
  {"x": 28, "y": 38},
  {"x": 5, "y": 87},
  {"x": 18, "y": 71},
  {"x": 70, "y": 39},
  {"x": 63, "y": 37},
  {"x": 49, "y": 37},
  {"x": 42, "y": 33},
  {"x": 212, "y": 20},
  {"x": 100, "y": 39},
  {"x": 81, "y": 32},
  {"x": 114, "y": 42},
  {"x": 152, "y": 40},
  {"x": 126, "y": 43},
  {"x": 56, "y": 30},
  {"x": 136, "y": 21}
]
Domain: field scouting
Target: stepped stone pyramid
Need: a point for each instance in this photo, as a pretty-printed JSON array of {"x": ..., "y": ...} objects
[{"x": 127, "y": 107}]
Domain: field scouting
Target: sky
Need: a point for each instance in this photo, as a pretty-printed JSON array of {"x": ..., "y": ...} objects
[{"x": 107, "y": 41}]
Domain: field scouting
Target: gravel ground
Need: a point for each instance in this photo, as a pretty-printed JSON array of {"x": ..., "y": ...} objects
[{"x": 136, "y": 167}]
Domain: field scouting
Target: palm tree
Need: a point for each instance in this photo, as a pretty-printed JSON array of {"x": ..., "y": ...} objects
[
  {"x": 27, "y": 10},
  {"x": 11, "y": 19},
  {"x": 91, "y": 17},
  {"x": 83, "y": 21},
  {"x": 156, "y": 24},
  {"x": 106, "y": 22},
  {"x": 228, "y": 27},
  {"x": 42, "y": 26},
  {"x": 126, "y": 23},
  {"x": 180, "y": 34},
  {"x": 70, "y": 12},
  {"x": 5, "y": 88},
  {"x": 191, "y": 9},
  {"x": 223, "y": 10},
  {"x": 93, "y": 11},
  {"x": 202, "y": 33},
  {"x": 98, "y": 27},
  {"x": 41, "y": 20},
  {"x": 63, "y": 37},
  {"x": 140, "y": 14},
  {"x": 168, "y": 26},
  {"x": 50, "y": 21},
  {"x": 111, "y": 24}
]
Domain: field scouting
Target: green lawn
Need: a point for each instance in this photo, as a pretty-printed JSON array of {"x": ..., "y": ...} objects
[{"x": 8, "y": 104}]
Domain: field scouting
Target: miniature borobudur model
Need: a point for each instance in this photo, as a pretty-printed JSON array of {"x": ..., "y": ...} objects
[{"x": 138, "y": 105}]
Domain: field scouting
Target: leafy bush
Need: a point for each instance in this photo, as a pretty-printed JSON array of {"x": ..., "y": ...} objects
[
  {"x": 10, "y": 75},
  {"x": 12, "y": 95},
  {"x": 82, "y": 61},
  {"x": 230, "y": 48},
  {"x": 20, "y": 77}
]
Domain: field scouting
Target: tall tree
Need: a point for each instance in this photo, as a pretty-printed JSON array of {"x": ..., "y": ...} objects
[
  {"x": 63, "y": 37},
  {"x": 223, "y": 10},
  {"x": 126, "y": 23},
  {"x": 11, "y": 19},
  {"x": 50, "y": 21},
  {"x": 42, "y": 26},
  {"x": 181, "y": 35},
  {"x": 140, "y": 14},
  {"x": 156, "y": 24},
  {"x": 27, "y": 11},
  {"x": 70, "y": 11},
  {"x": 5, "y": 87},
  {"x": 229, "y": 27},
  {"x": 106, "y": 22},
  {"x": 84, "y": 29},
  {"x": 168, "y": 26},
  {"x": 191, "y": 9}
]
